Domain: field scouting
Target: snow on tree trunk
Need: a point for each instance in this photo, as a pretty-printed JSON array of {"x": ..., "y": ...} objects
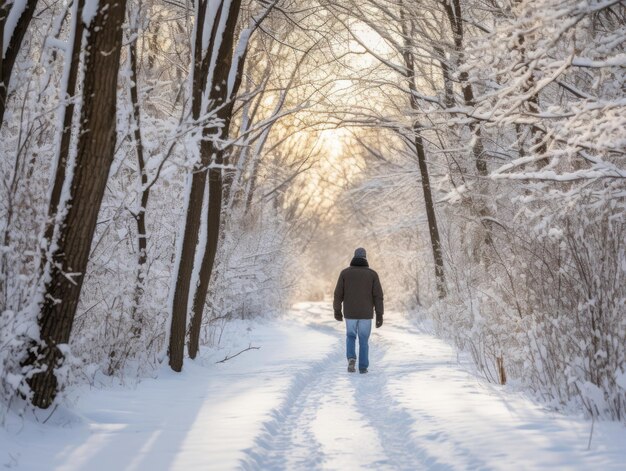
[
  {"x": 433, "y": 229},
  {"x": 206, "y": 35},
  {"x": 221, "y": 101},
  {"x": 15, "y": 16},
  {"x": 94, "y": 155},
  {"x": 68, "y": 90}
]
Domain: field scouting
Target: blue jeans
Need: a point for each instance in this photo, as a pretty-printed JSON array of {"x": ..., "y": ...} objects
[{"x": 358, "y": 328}]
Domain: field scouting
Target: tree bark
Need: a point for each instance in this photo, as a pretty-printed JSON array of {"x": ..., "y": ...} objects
[
  {"x": 501, "y": 370},
  {"x": 220, "y": 99},
  {"x": 15, "y": 43},
  {"x": 95, "y": 152},
  {"x": 430, "y": 213},
  {"x": 533, "y": 104},
  {"x": 448, "y": 87},
  {"x": 206, "y": 267},
  {"x": 5, "y": 8},
  {"x": 418, "y": 141},
  {"x": 66, "y": 131},
  {"x": 455, "y": 17},
  {"x": 140, "y": 216},
  {"x": 178, "y": 327}
]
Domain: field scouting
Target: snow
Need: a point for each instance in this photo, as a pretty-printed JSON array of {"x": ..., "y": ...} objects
[
  {"x": 292, "y": 405},
  {"x": 90, "y": 9},
  {"x": 219, "y": 36},
  {"x": 211, "y": 17},
  {"x": 10, "y": 24},
  {"x": 57, "y": 44},
  {"x": 617, "y": 61},
  {"x": 68, "y": 48},
  {"x": 240, "y": 51}
]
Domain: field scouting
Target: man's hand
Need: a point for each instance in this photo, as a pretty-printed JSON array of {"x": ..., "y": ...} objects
[
  {"x": 379, "y": 321},
  {"x": 338, "y": 316}
]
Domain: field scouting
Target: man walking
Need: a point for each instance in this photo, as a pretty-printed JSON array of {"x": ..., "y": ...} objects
[{"x": 359, "y": 289}]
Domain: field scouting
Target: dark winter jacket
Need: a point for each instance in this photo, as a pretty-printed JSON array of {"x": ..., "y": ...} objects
[{"x": 359, "y": 289}]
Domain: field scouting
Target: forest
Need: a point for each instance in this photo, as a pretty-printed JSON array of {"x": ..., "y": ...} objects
[{"x": 169, "y": 167}]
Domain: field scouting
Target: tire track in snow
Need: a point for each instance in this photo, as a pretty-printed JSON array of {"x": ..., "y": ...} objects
[
  {"x": 274, "y": 448},
  {"x": 391, "y": 421},
  {"x": 401, "y": 418},
  {"x": 297, "y": 437},
  {"x": 318, "y": 425}
]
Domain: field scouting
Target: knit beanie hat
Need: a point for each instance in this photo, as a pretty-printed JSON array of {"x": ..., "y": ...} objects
[{"x": 360, "y": 253}]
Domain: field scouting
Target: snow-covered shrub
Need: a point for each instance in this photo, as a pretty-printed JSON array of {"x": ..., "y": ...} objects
[
  {"x": 27, "y": 139},
  {"x": 256, "y": 269},
  {"x": 550, "y": 305}
]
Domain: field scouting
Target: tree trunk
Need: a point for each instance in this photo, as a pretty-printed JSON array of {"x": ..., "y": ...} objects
[
  {"x": 13, "y": 48},
  {"x": 178, "y": 327},
  {"x": 448, "y": 87},
  {"x": 5, "y": 7},
  {"x": 222, "y": 96},
  {"x": 455, "y": 17},
  {"x": 206, "y": 268},
  {"x": 219, "y": 96},
  {"x": 430, "y": 214},
  {"x": 250, "y": 186},
  {"x": 433, "y": 229},
  {"x": 501, "y": 370},
  {"x": 140, "y": 216},
  {"x": 95, "y": 152},
  {"x": 538, "y": 143},
  {"x": 66, "y": 131}
]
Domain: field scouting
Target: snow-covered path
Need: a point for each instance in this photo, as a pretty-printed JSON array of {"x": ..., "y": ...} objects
[{"x": 292, "y": 405}]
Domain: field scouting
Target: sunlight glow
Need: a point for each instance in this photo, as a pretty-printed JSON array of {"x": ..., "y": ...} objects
[{"x": 337, "y": 166}]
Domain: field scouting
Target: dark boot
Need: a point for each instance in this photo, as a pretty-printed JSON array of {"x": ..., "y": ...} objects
[{"x": 351, "y": 365}]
